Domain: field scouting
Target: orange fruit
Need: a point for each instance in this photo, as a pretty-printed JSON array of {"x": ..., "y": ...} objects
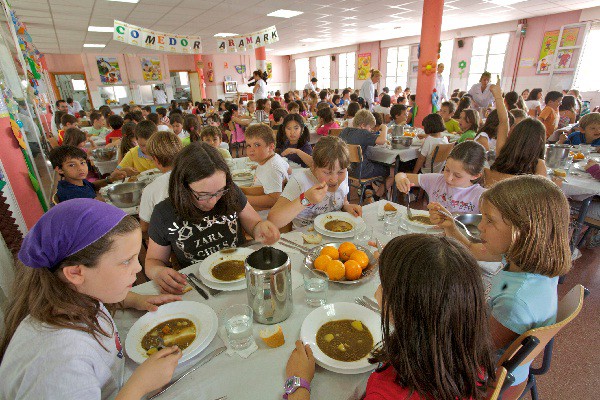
[
  {"x": 346, "y": 249},
  {"x": 331, "y": 252},
  {"x": 335, "y": 270},
  {"x": 360, "y": 257},
  {"x": 353, "y": 270},
  {"x": 321, "y": 262}
]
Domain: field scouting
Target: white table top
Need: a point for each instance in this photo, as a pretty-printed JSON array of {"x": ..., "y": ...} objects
[
  {"x": 265, "y": 368},
  {"x": 580, "y": 187},
  {"x": 386, "y": 155}
]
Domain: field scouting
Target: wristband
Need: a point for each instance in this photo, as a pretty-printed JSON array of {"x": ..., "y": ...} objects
[
  {"x": 304, "y": 201},
  {"x": 293, "y": 383}
]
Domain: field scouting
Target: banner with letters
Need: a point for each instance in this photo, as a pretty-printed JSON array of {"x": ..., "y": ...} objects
[
  {"x": 236, "y": 44},
  {"x": 154, "y": 40}
]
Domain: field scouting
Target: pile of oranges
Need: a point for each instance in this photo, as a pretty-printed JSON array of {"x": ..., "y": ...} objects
[{"x": 346, "y": 262}]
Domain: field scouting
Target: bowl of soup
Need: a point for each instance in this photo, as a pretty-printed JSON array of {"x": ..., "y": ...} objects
[{"x": 342, "y": 336}]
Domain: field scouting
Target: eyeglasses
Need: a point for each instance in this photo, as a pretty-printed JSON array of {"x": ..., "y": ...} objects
[{"x": 207, "y": 196}]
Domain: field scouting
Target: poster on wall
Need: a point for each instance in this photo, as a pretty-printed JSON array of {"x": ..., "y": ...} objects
[
  {"x": 364, "y": 66},
  {"x": 546, "y": 53},
  {"x": 151, "y": 69},
  {"x": 569, "y": 37},
  {"x": 563, "y": 59},
  {"x": 269, "y": 70},
  {"x": 109, "y": 70}
]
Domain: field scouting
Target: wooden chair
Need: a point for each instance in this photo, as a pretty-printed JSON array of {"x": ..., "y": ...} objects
[
  {"x": 356, "y": 156},
  {"x": 490, "y": 177},
  {"x": 335, "y": 132},
  {"x": 568, "y": 308},
  {"x": 495, "y": 391},
  {"x": 440, "y": 154},
  {"x": 54, "y": 200}
]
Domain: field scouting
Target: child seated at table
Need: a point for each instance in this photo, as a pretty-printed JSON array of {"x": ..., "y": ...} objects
[
  {"x": 163, "y": 147},
  {"x": 457, "y": 188},
  {"x": 447, "y": 111},
  {"x": 278, "y": 115},
  {"x": 66, "y": 121},
  {"x": 60, "y": 341},
  {"x": 518, "y": 114},
  {"x": 353, "y": 108},
  {"x": 293, "y": 108},
  {"x": 433, "y": 125},
  {"x": 549, "y": 115},
  {"x": 450, "y": 355},
  {"x": 98, "y": 127},
  {"x": 136, "y": 160},
  {"x": 589, "y": 131},
  {"x": 321, "y": 189},
  {"x": 176, "y": 121},
  {"x": 70, "y": 163},
  {"x": 162, "y": 116},
  {"x": 116, "y": 123},
  {"x": 469, "y": 124},
  {"x": 525, "y": 225},
  {"x": 380, "y": 126},
  {"x": 212, "y": 136},
  {"x": 325, "y": 121},
  {"x": 398, "y": 113},
  {"x": 272, "y": 171},
  {"x": 76, "y": 137},
  {"x": 293, "y": 141},
  {"x": 127, "y": 142}
]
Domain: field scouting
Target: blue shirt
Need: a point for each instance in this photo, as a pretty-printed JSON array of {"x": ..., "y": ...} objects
[
  {"x": 67, "y": 191},
  {"x": 521, "y": 301},
  {"x": 576, "y": 138}
]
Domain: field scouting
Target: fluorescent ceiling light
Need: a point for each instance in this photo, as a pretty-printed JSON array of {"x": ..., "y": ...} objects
[
  {"x": 100, "y": 28},
  {"x": 270, "y": 49},
  {"x": 505, "y": 2},
  {"x": 310, "y": 40},
  {"x": 225, "y": 34},
  {"x": 126, "y": 1},
  {"x": 284, "y": 13},
  {"x": 384, "y": 25},
  {"x": 93, "y": 45}
]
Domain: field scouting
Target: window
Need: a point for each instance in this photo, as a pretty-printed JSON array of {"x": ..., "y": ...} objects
[
  {"x": 397, "y": 67},
  {"x": 488, "y": 55},
  {"x": 347, "y": 64},
  {"x": 324, "y": 72},
  {"x": 302, "y": 73},
  {"x": 586, "y": 77}
]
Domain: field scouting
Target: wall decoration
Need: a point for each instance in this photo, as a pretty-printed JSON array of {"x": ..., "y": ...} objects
[
  {"x": 269, "y": 70},
  {"x": 154, "y": 40},
  {"x": 547, "y": 52},
  {"x": 563, "y": 59},
  {"x": 226, "y": 65},
  {"x": 428, "y": 68},
  {"x": 240, "y": 69},
  {"x": 569, "y": 37},
  {"x": 462, "y": 64},
  {"x": 364, "y": 66},
  {"x": 109, "y": 70},
  {"x": 211, "y": 75},
  {"x": 414, "y": 68},
  {"x": 151, "y": 69},
  {"x": 249, "y": 41}
]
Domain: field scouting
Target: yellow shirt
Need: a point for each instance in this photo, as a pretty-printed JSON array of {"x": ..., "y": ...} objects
[
  {"x": 452, "y": 126},
  {"x": 136, "y": 159}
]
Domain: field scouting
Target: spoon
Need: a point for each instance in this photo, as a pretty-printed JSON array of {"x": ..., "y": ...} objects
[
  {"x": 408, "y": 212},
  {"x": 474, "y": 239}
]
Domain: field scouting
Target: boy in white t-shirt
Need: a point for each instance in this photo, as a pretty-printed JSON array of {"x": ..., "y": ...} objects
[
  {"x": 162, "y": 147},
  {"x": 272, "y": 171},
  {"x": 321, "y": 189},
  {"x": 433, "y": 125}
]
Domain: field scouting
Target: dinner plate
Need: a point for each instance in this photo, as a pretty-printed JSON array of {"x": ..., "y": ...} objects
[
  {"x": 322, "y": 219},
  {"x": 337, "y": 311},
  {"x": 209, "y": 262},
  {"x": 235, "y": 175},
  {"x": 153, "y": 171},
  {"x": 415, "y": 224},
  {"x": 200, "y": 314},
  {"x": 367, "y": 273}
]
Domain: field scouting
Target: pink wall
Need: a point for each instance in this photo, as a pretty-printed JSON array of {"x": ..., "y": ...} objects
[
  {"x": 64, "y": 62},
  {"x": 181, "y": 62}
]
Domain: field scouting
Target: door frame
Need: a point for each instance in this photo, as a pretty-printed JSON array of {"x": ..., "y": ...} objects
[
  {"x": 57, "y": 92},
  {"x": 181, "y": 70}
]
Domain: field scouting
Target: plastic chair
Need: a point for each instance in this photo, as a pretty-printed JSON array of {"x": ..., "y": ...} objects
[
  {"x": 568, "y": 308},
  {"x": 440, "y": 154},
  {"x": 490, "y": 177},
  {"x": 334, "y": 132},
  {"x": 356, "y": 156}
]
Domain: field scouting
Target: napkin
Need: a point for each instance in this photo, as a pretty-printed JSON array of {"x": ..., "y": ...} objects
[{"x": 242, "y": 353}]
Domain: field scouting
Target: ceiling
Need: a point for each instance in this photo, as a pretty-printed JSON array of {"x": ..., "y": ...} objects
[{"x": 60, "y": 26}]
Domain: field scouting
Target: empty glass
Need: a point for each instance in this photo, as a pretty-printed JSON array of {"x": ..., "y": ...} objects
[
  {"x": 316, "y": 283},
  {"x": 238, "y": 325},
  {"x": 390, "y": 223},
  {"x": 363, "y": 236}
]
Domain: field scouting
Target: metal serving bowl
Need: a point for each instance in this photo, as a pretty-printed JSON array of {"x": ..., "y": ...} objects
[
  {"x": 402, "y": 142},
  {"x": 471, "y": 221},
  {"x": 104, "y": 154},
  {"x": 125, "y": 195}
]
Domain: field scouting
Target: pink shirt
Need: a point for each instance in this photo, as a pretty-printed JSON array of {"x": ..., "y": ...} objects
[
  {"x": 454, "y": 199},
  {"x": 324, "y": 130}
]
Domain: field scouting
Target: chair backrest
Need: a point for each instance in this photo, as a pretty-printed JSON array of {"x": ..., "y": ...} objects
[
  {"x": 490, "y": 177},
  {"x": 335, "y": 132},
  {"x": 54, "y": 200},
  {"x": 568, "y": 308},
  {"x": 441, "y": 153},
  {"x": 356, "y": 155},
  {"x": 494, "y": 391}
]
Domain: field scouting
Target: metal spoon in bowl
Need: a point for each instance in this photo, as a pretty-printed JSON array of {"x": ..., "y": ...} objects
[{"x": 472, "y": 238}]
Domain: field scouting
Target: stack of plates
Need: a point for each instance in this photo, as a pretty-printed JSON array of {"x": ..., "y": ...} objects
[
  {"x": 356, "y": 222},
  {"x": 243, "y": 177}
]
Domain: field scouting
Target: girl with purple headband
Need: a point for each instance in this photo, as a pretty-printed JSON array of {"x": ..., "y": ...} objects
[{"x": 60, "y": 340}]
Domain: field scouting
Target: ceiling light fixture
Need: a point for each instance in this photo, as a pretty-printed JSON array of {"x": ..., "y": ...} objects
[
  {"x": 225, "y": 34},
  {"x": 284, "y": 13},
  {"x": 384, "y": 25},
  {"x": 125, "y": 1},
  {"x": 504, "y": 2},
  {"x": 310, "y": 40},
  {"x": 100, "y": 28},
  {"x": 270, "y": 49},
  {"x": 94, "y": 45}
]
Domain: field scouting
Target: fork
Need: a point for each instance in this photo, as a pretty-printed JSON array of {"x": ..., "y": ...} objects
[
  {"x": 213, "y": 292},
  {"x": 408, "y": 211},
  {"x": 288, "y": 243},
  {"x": 363, "y": 303},
  {"x": 474, "y": 239}
]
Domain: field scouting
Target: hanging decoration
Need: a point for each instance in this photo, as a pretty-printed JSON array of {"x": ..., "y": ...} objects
[
  {"x": 435, "y": 98},
  {"x": 154, "y": 40},
  {"x": 240, "y": 69},
  {"x": 462, "y": 65},
  {"x": 241, "y": 43},
  {"x": 428, "y": 68},
  {"x": 364, "y": 66}
]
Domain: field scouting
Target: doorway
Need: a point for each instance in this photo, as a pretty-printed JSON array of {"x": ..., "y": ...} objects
[
  {"x": 72, "y": 86},
  {"x": 180, "y": 82}
]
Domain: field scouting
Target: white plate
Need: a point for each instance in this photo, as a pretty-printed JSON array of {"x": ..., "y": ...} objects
[
  {"x": 322, "y": 219},
  {"x": 336, "y": 311},
  {"x": 241, "y": 171},
  {"x": 415, "y": 224},
  {"x": 200, "y": 314},
  {"x": 209, "y": 262}
]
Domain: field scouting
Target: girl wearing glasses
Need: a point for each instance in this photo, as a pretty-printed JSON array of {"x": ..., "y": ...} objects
[{"x": 204, "y": 213}]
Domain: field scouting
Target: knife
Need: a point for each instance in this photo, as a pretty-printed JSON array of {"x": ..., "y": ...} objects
[
  {"x": 200, "y": 363},
  {"x": 193, "y": 284},
  {"x": 213, "y": 292}
]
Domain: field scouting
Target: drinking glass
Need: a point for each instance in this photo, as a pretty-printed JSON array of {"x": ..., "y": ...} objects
[
  {"x": 363, "y": 236},
  {"x": 390, "y": 223},
  {"x": 316, "y": 283},
  {"x": 238, "y": 325}
]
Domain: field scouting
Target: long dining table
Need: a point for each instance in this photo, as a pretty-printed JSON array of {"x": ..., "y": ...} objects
[{"x": 261, "y": 375}]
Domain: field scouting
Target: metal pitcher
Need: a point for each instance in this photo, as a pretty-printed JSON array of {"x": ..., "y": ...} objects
[
  {"x": 557, "y": 155},
  {"x": 269, "y": 281},
  {"x": 396, "y": 131}
]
